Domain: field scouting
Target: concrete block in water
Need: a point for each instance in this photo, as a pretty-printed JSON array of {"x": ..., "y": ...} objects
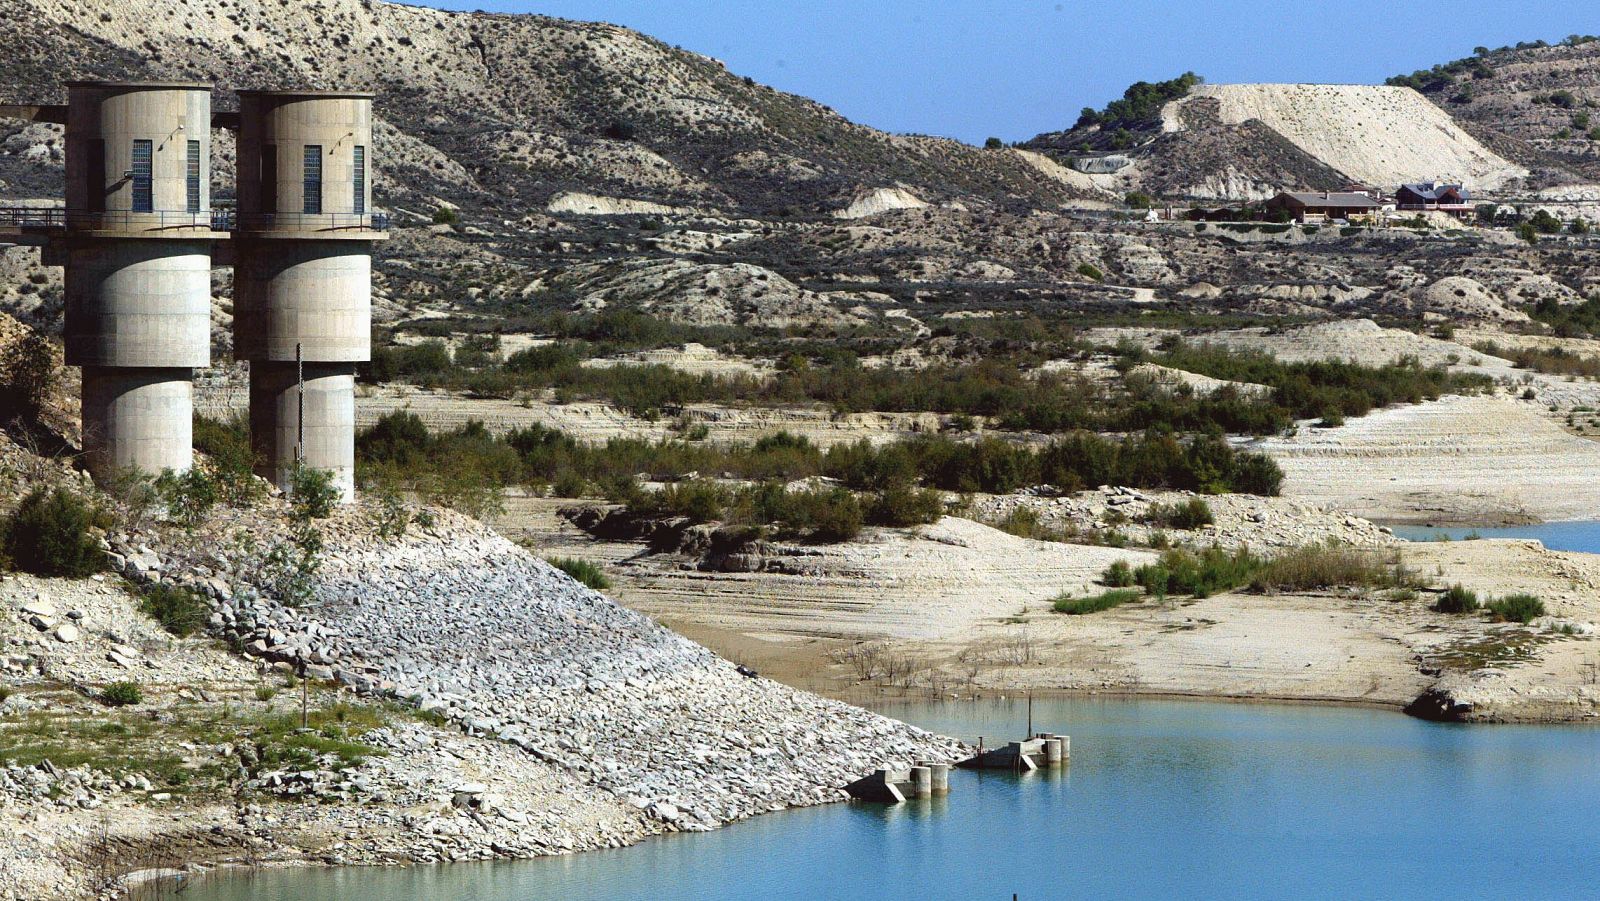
[
  {"x": 882, "y": 786},
  {"x": 921, "y": 782}
]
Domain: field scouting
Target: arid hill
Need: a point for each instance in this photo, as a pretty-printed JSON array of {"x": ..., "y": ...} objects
[{"x": 505, "y": 112}]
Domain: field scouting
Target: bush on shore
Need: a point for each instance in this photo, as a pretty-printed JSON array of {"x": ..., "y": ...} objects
[
  {"x": 1188, "y": 515},
  {"x": 121, "y": 694},
  {"x": 179, "y": 610},
  {"x": 1457, "y": 599},
  {"x": 1516, "y": 608},
  {"x": 1095, "y": 603},
  {"x": 50, "y": 534},
  {"x": 1118, "y": 575},
  {"x": 585, "y": 572}
]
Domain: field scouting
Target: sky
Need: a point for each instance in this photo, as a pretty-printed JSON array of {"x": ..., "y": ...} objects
[{"x": 972, "y": 69}]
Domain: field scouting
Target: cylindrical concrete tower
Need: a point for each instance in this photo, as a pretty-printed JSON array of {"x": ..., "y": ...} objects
[
  {"x": 137, "y": 249},
  {"x": 303, "y": 274}
]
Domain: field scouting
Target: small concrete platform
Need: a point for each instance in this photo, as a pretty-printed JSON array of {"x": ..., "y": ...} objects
[
  {"x": 893, "y": 785},
  {"x": 1045, "y": 750}
]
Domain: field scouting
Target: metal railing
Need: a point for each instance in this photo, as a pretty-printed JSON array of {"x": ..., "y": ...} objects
[
  {"x": 222, "y": 220},
  {"x": 104, "y": 220},
  {"x": 304, "y": 222}
]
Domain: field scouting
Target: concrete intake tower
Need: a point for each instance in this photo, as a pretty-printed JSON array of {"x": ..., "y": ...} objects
[
  {"x": 136, "y": 242},
  {"x": 137, "y": 238},
  {"x": 303, "y": 275}
]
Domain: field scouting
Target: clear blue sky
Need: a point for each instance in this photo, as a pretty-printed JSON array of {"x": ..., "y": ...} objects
[{"x": 1013, "y": 68}]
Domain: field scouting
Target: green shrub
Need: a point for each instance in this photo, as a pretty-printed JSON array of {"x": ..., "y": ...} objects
[
  {"x": 1191, "y": 514},
  {"x": 445, "y": 216},
  {"x": 188, "y": 496},
  {"x": 836, "y": 517},
  {"x": 1091, "y": 271},
  {"x": 231, "y": 459},
  {"x": 312, "y": 492},
  {"x": 902, "y": 505},
  {"x": 179, "y": 610},
  {"x": 1094, "y": 603},
  {"x": 1457, "y": 599},
  {"x": 28, "y": 373},
  {"x": 121, "y": 694},
  {"x": 50, "y": 535},
  {"x": 1118, "y": 575},
  {"x": 1202, "y": 574},
  {"x": 583, "y": 571},
  {"x": 1321, "y": 566},
  {"x": 1516, "y": 608}
]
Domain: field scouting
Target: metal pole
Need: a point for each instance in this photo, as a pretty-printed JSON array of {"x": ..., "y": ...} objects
[
  {"x": 1030, "y": 714},
  {"x": 300, "y": 414}
]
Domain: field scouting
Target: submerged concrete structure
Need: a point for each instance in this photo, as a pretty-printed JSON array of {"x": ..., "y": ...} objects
[
  {"x": 303, "y": 274},
  {"x": 136, "y": 241},
  {"x": 137, "y": 236}
]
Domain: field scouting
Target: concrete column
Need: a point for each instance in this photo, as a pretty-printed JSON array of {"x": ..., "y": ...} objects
[
  {"x": 921, "y": 782},
  {"x": 312, "y": 295},
  {"x": 137, "y": 418},
  {"x": 940, "y": 773},
  {"x": 329, "y": 405}
]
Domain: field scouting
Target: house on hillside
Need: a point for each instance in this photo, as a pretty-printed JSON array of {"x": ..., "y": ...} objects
[
  {"x": 1320, "y": 206},
  {"x": 1453, "y": 199}
]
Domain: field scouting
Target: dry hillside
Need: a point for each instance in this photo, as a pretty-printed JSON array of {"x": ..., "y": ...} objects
[{"x": 503, "y": 111}]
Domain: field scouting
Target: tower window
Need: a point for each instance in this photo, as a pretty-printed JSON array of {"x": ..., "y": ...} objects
[
  {"x": 360, "y": 180},
  {"x": 313, "y": 179},
  {"x": 143, "y": 186},
  {"x": 192, "y": 177}
]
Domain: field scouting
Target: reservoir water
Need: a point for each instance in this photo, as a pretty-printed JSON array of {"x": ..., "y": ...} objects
[
  {"x": 1557, "y": 536},
  {"x": 1163, "y": 799}
]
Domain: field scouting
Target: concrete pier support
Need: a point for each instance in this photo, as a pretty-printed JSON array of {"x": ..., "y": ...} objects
[
  {"x": 940, "y": 775},
  {"x": 921, "y": 782},
  {"x": 1052, "y": 751},
  {"x": 327, "y": 410},
  {"x": 138, "y": 418}
]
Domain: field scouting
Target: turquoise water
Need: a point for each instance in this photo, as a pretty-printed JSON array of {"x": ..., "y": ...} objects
[
  {"x": 1557, "y": 536},
  {"x": 1163, "y": 799}
]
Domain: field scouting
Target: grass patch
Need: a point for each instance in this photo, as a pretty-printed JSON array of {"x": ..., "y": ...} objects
[
  {"x": 1516, "y": 608},
  {"x": 122, "y": 694},
  {"x": 1457, "y": 599},
  {"x": 1188, "y": 515},
  {"x": 585, "y": 572},
  {"x": 1095, "y": 603},
  {"x": 179, "y": 610},
  {"x": 1317, "y": 567}
]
